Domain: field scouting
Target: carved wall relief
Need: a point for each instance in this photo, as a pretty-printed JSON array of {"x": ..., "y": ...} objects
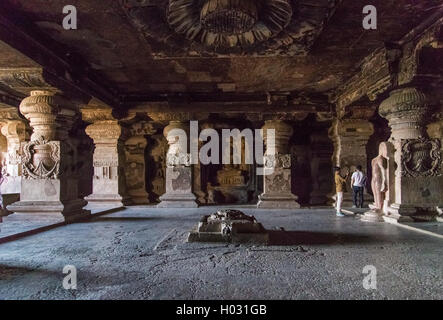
[
  {"x": 183, "y": 180},
  {"x": 278, "y": 183},
  {"x": 41, "y": 159},
  {"x": 135, "y": 169},
  {"x": 156, "y": 166},
  {"x": 421, "y": 157},
  {"x": 278, "y": 161}
]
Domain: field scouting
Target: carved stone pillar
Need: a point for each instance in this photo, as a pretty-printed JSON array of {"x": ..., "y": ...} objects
[
  {"x": 418, "y": 185},
  {"x": 277, "y": 169},
  {"x": 15, "y": 133},
  {"x": 49, "y": 184},
  {"x": 109, "y": 181},
  {"x": 178, "y": 171},
  {"x": 350, "y": 138}
]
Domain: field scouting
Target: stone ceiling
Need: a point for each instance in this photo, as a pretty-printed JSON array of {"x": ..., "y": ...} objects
[{"x": 146, "y": 49}]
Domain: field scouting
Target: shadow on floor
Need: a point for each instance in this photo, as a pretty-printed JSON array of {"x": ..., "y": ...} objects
[
  {"x": 293, "y": 238},
  {"x": 121, "y": 219}
]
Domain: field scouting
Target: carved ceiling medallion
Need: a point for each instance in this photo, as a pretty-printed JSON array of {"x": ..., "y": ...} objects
[
  {"x": 229, "y": 27},
  {"x": 229, "y": 23}
]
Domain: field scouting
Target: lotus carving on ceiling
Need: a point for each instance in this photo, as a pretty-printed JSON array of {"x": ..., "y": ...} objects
[
  {"x": 227, "y": 27},
  {"x": 229, "y": 23}
]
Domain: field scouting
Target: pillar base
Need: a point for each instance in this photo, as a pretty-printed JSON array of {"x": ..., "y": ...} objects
[
  {"x": 107, "y": 200},
  {"x": 183, "y": 200},
  {"x": 6, "y": 200},
  {"x": 374, "y": 215},
  {"x": 399, "y": 213},
  {"x": 278, "y": 202},
  {"x": 318, "y": 198},
  {"x": 71, "y": 210},
  {"x": 139, "y": 199}
]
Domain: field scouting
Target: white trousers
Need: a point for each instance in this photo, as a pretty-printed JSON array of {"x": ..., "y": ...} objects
[{"x": 339, "y": 201}]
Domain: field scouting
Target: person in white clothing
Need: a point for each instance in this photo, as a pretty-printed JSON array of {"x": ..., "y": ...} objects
[{"x": 358, "y": 182}]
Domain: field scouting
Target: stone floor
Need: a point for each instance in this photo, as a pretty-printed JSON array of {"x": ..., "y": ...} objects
[{"x": 141, "y": 253}]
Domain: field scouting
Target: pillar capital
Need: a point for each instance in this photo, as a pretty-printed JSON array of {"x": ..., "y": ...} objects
[
  {"x": 407, "y": 111},
  {"x": 50, "y": 115},
  {"x": 104, "y": 131},
  {"x": 14, "y": 131},
  {"x": 173, "y": 125},
  {"x": 283, "y": 133},
  {"x": 355, "y": 129}
]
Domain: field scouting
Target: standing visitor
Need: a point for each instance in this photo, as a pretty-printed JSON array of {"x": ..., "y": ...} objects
[
  {"x": 358, "y": 181},
  {"x": 339, "y": 186}
]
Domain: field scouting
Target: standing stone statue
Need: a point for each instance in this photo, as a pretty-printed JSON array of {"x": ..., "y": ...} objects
[{"x": 378, "y": 184}]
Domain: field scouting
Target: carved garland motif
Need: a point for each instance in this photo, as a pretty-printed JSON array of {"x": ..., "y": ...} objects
[
  {"x": 278, "y": 161},
  {"x": 174, "y": 160},
  {"x": 421, "y": 157},
  {"x": 41, "y": 159}
]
